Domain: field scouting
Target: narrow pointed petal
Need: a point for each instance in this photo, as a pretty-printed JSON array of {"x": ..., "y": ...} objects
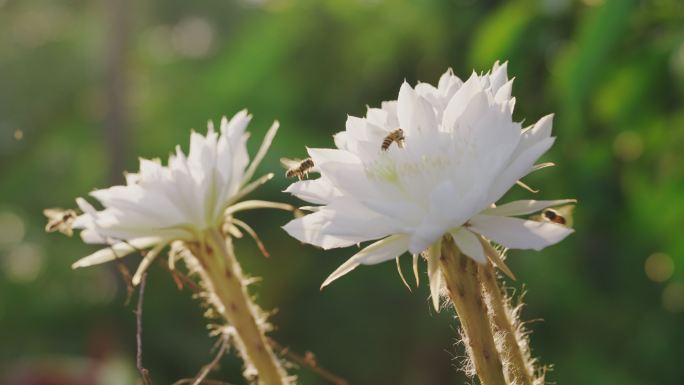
[
  {"x": 496, "y": 259},
  {"x": 434, "y": 273},
  {"x": 469, "y": 245},
  {"x": 263, "y": 149},
  {"x": 380, "y": 251},
  {"x": 523, "y": 207},
  {"x": 415, "y": 269},
  {"x": 117, "y": 250},
  {"x": 147, "y": 260},
  {"x": 401, "y": 275},
  {"x": 517, "y": 233}
]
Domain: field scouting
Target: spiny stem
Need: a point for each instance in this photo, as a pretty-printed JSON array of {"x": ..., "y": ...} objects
[
  {"x": 460, "y": 273},
  {"x": 222, "y": 273},
  {"x": 513, "y": 354}
]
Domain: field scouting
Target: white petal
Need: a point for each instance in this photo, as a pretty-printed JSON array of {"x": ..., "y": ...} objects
[
  {"x": 459, "y": 102},
  {"x": 517, "y": 233},
  {"x": 318, "y": 191},
  {"x": 498, "y": 77},
  {"x": 504, "y": 93},
  {"x": 85, "y": 206},
  {"x": 346, "y": 172},
  {"x": 435, "y": 275},
  {"x": 523, "y": 207},
  {"x": 341, "y": 140},
  {"x": 518, "y": 168},
  {"x": 115, "y": 251},
  {"x": 90, "y": 235},
  {"x": 424, "y": 236},
  {"x": 340, "y": 224},
  {"x": 469, "y": 244},
  {"x": 534, "y": 134},
  {"x": 415, "y": 113},
  {"x": 380, "y": 251}
]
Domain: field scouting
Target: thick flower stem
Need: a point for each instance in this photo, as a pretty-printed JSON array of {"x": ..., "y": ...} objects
[
  {"x": 460, "y": 273},
  {"x": 512, "y": 352},
  {"x": 225, "y": 278}
]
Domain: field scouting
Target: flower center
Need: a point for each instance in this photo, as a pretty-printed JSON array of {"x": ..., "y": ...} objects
[{"x": 389, "y": 169}]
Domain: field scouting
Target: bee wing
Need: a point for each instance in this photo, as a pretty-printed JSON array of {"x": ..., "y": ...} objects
[
  {"x": 53, "y": 213},
  {"x": 290, "y": 163}
]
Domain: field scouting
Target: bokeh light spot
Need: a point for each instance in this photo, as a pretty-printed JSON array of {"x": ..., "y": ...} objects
[
  {"x": 18, "y": 134},
  {"x": 12, "y": 228},
  {"x": 628, "y": 145},
  {"x": 673, "y": 297},
  {"x": 23, "y": 263},
  {"x": 677, "y": 60},
  {"x": 193, "y": 37},
  {"x": 659, "y": 267}
]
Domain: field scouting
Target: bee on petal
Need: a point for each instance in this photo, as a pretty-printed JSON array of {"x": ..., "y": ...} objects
[
  {"x": 60, "y": 220},
  {"x": 560, "y": 215},
  {"x": 395, "y": 136}
]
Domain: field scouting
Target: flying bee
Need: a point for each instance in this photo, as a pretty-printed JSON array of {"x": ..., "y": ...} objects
[
  {"x": 60, "y": 220},
  {"x": 561, "y": 215},
  {"x": 394, "y": 136},
  {"x": 297, "y": 168}
]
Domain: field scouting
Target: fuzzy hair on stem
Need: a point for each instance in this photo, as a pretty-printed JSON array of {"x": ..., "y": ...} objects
[
  {"x": 225, "y": 288},
  {"x": 512, "y": 337},
  {"x": 460, "y": 275}
]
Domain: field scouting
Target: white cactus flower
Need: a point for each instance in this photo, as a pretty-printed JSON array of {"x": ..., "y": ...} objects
[
  {"x": 460, "y": 153},
  {"x": 180, "y": 201}
]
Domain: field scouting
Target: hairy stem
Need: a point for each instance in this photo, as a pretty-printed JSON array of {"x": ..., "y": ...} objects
[
  {"x": 515, "y": 355},
  {"x": 460, "y": 273},
  {"x": 222, "y": 273}
]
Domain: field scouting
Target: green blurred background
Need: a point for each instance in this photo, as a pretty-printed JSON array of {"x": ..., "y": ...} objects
[{"x": 87, "y": 87}]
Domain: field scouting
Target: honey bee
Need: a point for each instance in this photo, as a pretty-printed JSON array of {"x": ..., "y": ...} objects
[
  {"x": 60, "y": 220},
  {"x": 297, "y": 168},
  {"x": 561, "y": 215},
  {"x": 554, "y": 216},
  {"x": 394, "y": 136}
]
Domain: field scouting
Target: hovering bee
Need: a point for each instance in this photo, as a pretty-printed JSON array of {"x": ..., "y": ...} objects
[
  {"x": 561, "y": 215},
  {"x": 60, "y": 220},
  {"x": 394, "y": 136},
  {"x": 297, "y": 168}
]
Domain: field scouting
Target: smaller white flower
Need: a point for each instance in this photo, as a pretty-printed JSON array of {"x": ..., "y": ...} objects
[
  {"x": 458, "y": 152},
  {"x": 177, "y": 202}
]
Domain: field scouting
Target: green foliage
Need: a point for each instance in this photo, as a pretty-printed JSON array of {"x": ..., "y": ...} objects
[{"x": 611, "y": 70}]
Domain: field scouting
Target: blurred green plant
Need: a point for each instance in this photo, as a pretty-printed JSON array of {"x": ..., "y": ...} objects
[{"x": 613, "y": 70}]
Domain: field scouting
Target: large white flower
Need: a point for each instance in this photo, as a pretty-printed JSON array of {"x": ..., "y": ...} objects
[
  {"x": 178, "y": 202},
  {"x": 460, "y": 154}
]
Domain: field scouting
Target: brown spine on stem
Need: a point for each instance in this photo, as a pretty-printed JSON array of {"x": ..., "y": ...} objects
[
  {"x": 460, "y": 273},
  {"x": 223, "y": 275},
  {"x": 514, "y": 349}
]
